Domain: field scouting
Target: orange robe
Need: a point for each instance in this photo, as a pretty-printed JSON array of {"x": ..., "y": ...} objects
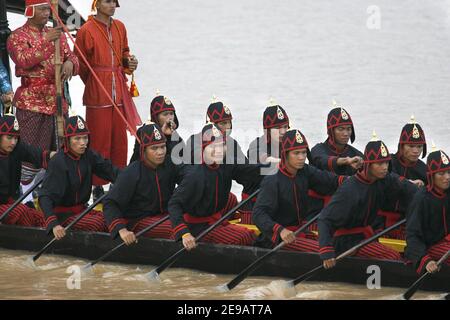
[
  {"x": 106, "y": 50},
  {"x": 94, "y": 41}
]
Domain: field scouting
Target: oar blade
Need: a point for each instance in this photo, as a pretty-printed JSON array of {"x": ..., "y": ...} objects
[
  {"x": 153, "y": 276},
  {"x": 87, "y": 269},
  {"x": 223, "y": 288},
  {"x": 30, "y": 262},
  {"x": 411, "y": 291}
]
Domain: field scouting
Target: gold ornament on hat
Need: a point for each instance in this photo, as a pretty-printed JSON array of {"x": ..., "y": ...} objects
[
  {"x": 214, "y": 99},
  {"x": 157, "y": 134},
  {"x": 158, "y": 93},
  {"x": 344, "y": 114},
  {"x": 383, "y": 150},
  {"x": 444, "y": 158},
  {"x": 16, "y": 125},
  {"x": 415, "y": 133},
  {"x": 374, "y": 136},
  {"x": 334, "y": 103},
  {"x": 412, "y": 120},
  {"x": 80, "y": 123},
  {"x": 298, "y": 137},
  {"x": 433, "y": 146},
  {"x": 167, "y": 101},
  {"x": 227, "y": 110},
  {"x": 280, "y": 113},
  {"x": 272, "y": 102}
]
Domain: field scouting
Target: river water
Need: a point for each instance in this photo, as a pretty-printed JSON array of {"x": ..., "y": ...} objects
[{"x": 382, "y": 62}]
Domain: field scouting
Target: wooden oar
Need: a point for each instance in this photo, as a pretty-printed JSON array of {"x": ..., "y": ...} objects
[
  {"x": 80, "y": 216},
  {"x": 416, "y": 285},
  {"x": 154, "y": 274},
  {"x": 107, "y": 254},
  {"x": 21, "y": 198},
  {"x": 252, "y": 267},
  {"x": 292, "y": 283},
  {"x": 59, "y": 123}
]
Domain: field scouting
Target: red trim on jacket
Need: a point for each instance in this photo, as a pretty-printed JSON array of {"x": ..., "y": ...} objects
[
  {"x": 115, "y": 223},
  {"x": 326, "y": 249},
  {"x": 276, "y": 228},
  {"x": 159, "y": 192},
  {"x": 179, "y": 228},
  {"x": 423, "y": 262},
  {"x": 49, "y": 220},
  {"x": 330, "y": 163},
  {"x": 362, "y": 178}
]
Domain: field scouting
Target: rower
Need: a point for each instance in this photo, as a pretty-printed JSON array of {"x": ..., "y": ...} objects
[
  {"x": 282, "y": 204},
  {"x": 406, "y": 163},
  {"x": 203, "y": 195},
  {"x": 142, "y": 191},
  {"x": 163, "y": 113},
  {"x": 68, "y": 182},
  {"x": 351, "y": 215},
  {"x": 335, "y": 154},
  {"x": 219, "y": 114},
  {"x": 428, "y": 219},
  {"x": 265, "y": 150},
  {"x": 13, "y": 152}
]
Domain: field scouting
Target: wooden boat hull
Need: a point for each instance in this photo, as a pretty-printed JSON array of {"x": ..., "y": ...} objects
[{"x": 220, "y": 259}]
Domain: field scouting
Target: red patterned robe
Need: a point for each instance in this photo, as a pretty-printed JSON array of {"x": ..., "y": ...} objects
[
  {"x": 35, "y": 99},
  {"x": 34, "y": 57}
]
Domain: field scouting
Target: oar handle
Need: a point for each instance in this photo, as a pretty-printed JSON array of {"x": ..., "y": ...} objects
[
  {"x": 443, "y": 258},
  {"x": 143, "y": 231},
  {"x": 316, "y": 270},
  {"x": 21, "y": 198},
  {"x": 85, "y": 212},
  {"x": 169, "y": 261},
  {"x": 416, "y": 285},
  {"x": 252, "y": 267}
]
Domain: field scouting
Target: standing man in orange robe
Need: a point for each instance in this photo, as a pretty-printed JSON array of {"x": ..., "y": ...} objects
[{"x": 103, "y": 41}]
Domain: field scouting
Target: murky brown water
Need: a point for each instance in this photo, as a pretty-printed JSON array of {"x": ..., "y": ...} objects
[{"x": 18, "y": 280}]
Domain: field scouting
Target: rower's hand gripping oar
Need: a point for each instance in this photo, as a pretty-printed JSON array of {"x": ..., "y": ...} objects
[
  {"x": 22, "y": 197},
  {"x": 154, "y": 274},
  {"x": 89, "y": 266},
  {"x": 85, "y": 212},
  {"x": 290, "y": 285},
  {"x": 416, "y": 285},
  {"x": 255, "y": 265}
]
